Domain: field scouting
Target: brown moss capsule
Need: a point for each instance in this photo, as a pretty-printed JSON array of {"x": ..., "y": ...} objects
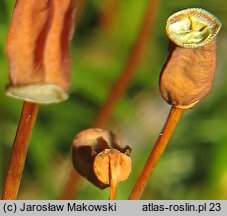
[
  {"x": 189, "y": 71},
  {"x": 37, "y": 50},
  {"x": 92, "y": 146},
  {"x": 112, "y": 164}
]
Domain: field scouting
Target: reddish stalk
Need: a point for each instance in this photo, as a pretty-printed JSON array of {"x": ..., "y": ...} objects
[
  {"x": 160, "y": 145},
  {"x": 113, "y": 186},
  {"x": 109, "y": 13},
  {"x": 120, "y": 85},
  {"x": 113, "y": 191},
  {"x": 71, "y": 185},
  {"x": 19, "y": 151},
  {"x": 112, "y": 179}
]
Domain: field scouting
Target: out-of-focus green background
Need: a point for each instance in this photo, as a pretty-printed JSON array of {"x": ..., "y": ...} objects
[{"x": 194, "y": 165}]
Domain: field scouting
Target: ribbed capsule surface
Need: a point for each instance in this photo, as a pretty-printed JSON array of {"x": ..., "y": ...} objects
[
  {"x": 38, "y": 50},
  {"x": 188, "y": 74}
]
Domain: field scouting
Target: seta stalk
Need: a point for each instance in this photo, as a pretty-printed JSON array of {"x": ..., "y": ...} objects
[
  {"x": 159, "y": 147},
  {"x": 19, "y": 151},
  {"x": 187, "y": 76},
  {"x": 119, "y": 86}
]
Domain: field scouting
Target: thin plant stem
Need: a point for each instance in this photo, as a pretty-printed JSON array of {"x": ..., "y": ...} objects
[
  {"x": 113, "y": 191},
  {"x": 109, "y": 12},
  {"x": 120, "y": 85},
  {"x": 71, "y": 185},
  {"x": 112, "y": 180},
  {"x": 160, "y": 145},
  {"x": 19, "y": 151},
  {"x": 113, "y": 188}
]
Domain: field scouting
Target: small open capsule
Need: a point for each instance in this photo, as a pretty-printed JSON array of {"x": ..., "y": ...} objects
[{"x": 95, "y": 151}]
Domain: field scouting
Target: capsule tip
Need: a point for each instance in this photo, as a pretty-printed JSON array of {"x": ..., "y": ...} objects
[{"x": 192, "y": 28}]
